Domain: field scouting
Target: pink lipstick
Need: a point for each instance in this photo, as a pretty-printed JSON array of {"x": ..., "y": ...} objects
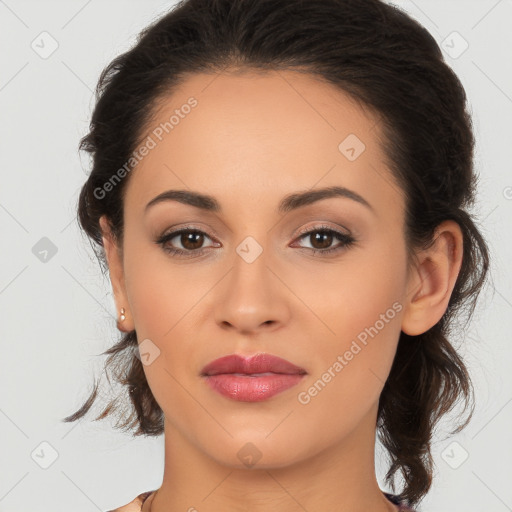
[{"x": 252, "y": 379}]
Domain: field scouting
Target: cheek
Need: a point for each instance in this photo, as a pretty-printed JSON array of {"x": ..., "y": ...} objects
[
  {"x": 160, "y": 293},
  {"x": 160, "y": 301},
  {"x": 360, "y": 308},
  {"x": 165, "y": 299},
  {"x": 355, "y": 291}
]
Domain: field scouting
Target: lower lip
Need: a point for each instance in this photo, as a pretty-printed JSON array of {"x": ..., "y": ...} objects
[{"x": 246, "y": 388}]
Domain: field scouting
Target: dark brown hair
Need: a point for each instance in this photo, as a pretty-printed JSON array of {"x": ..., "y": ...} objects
[{"x": 387, "y": 62}]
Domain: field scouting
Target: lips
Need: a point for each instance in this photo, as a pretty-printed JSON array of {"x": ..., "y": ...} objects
[
  {"x": 257, "y": 364},
  {"x": 252, "y": 379}
]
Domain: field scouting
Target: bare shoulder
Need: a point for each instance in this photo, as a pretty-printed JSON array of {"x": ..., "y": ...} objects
[{"x": 135, "y": 505}]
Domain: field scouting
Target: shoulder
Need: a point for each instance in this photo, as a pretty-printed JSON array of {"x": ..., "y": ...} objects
[{"x": 135, "y": 505}]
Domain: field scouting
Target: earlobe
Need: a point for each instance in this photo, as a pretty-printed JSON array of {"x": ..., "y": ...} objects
[
  {"x": 433, "y": 279},
  {"x": 121, "y": 319},
  {"x": 116, "y": 272}
]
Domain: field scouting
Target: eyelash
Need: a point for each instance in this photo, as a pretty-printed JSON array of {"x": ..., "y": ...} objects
[{"x": 346, "y": 240}]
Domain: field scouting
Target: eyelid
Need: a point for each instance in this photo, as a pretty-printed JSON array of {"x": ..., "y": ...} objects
[
  {"x": 177, "y": 229},
  {"x": 323, "y": 226},
  {"x": 346, "y": 241},
  {"x": 174, "y": 229}
]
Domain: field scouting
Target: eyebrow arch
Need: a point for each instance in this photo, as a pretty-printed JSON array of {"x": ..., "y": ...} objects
[{"x": 287, "y": 204}]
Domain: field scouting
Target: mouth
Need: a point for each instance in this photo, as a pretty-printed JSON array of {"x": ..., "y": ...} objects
[
  {"x": 258, "y": 364},
  {"x": 252, "y": 387},
  {"x": 251, "y": 379}
]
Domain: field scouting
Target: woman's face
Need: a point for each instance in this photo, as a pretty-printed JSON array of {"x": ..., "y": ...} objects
[{"x": 250, "y": 282}]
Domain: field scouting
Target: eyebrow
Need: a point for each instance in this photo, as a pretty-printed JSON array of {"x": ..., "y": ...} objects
[{"x": 287, "y": 204}]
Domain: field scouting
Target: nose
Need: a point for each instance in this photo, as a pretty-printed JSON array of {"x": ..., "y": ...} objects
[{"x": 252, "y": 296}]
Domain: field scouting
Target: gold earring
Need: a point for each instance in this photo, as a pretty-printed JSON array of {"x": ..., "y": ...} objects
[{"x": 123, "y": 316}]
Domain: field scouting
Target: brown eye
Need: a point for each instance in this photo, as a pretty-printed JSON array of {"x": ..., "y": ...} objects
[
  {"x": 322, "y": 238},
  {"x": 190, "y": 240}
]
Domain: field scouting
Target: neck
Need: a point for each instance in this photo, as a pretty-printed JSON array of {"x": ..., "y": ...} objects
[{"x": 341, "y": 477}]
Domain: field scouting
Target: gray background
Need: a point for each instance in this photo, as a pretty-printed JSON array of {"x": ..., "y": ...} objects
[{"x": 58, "y": 315}]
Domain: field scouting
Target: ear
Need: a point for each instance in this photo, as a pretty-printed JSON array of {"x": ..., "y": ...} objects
[
  {"x": 116, "y": 271},
  {"x": 432, "y": 281}
]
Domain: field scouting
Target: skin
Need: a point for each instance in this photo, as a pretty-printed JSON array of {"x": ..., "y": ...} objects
[{"x": 251, "y": 140}]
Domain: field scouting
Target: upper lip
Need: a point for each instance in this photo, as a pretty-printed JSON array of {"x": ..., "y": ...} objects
[{"x": 259, "y": 363}]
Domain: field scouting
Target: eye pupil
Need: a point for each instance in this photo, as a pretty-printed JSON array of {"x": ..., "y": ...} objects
[
  {"x": 189, "y": 237},
  {"x": 325, "y": 235}
]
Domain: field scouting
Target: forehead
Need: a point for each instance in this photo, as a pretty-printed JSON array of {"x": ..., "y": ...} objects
[{"x": 239, "y": 135}]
